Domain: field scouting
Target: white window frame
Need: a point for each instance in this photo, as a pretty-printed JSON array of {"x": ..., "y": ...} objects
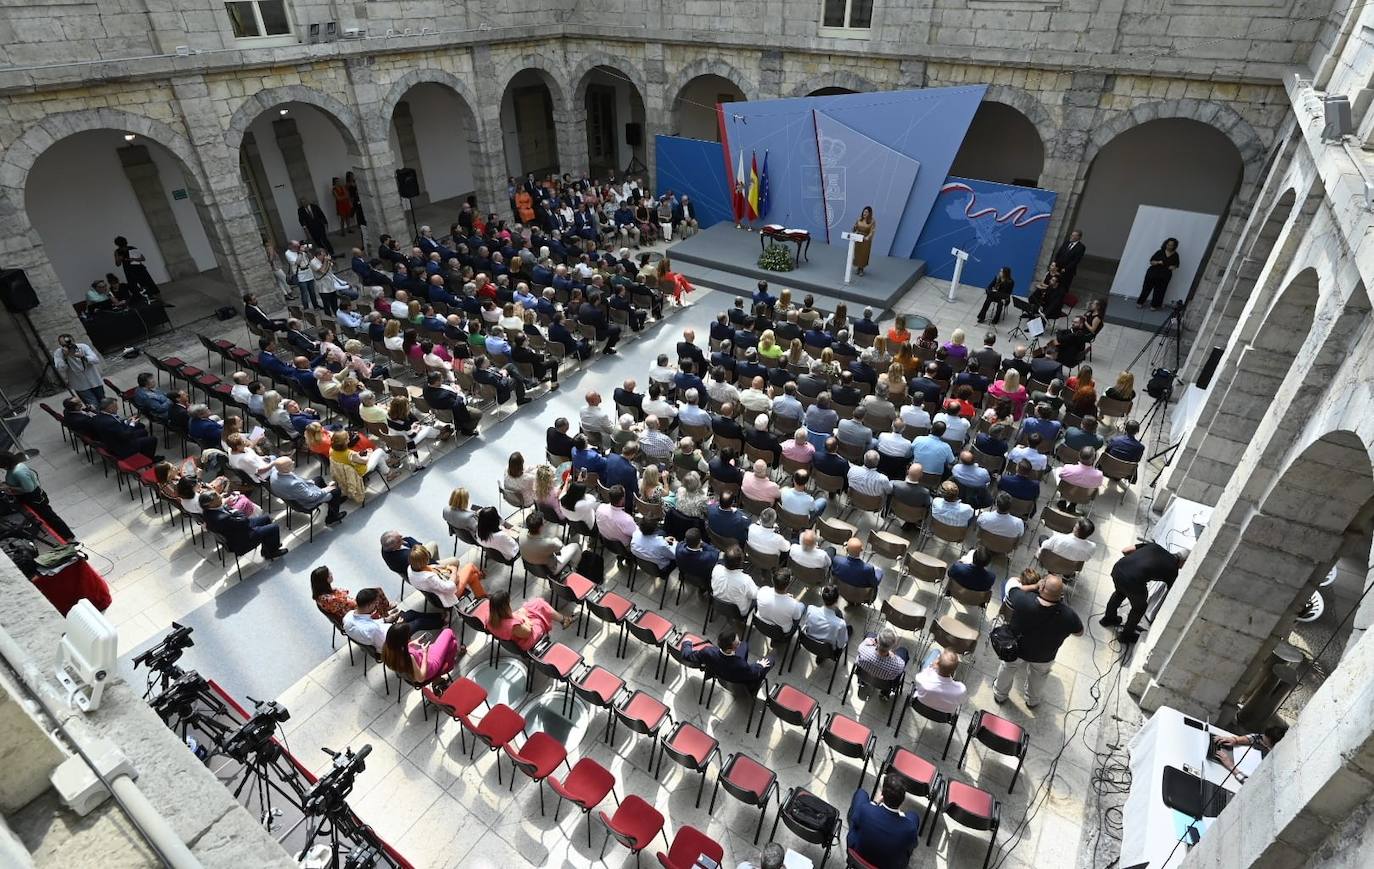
[
  {"x": 845, "y": 32},
  {"x": 266, "y": 41}
]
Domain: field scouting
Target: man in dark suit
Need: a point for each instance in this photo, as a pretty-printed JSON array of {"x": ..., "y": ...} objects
[
  {"x": 313, "y": 221},
  {"x": 750, "y": 367},
  {"x": 1069, "y": 255},
  {"x": 556, "y": 438},
  {"x": 728, "y": 660},
  {"x": 788, "y": 329},
  {"x": 879, "y": 831},
  {"x": 504, "y": 381},
  {"x": 441, "y": 396},
  {"x": 258, "y": 317},
  {"x": 989, "y": 360},
  {"x": 695, "y": 557},
  {"x": 727, "y": 520},
  {"x": 687, "y": 378},
  {"x": 724, "y": 424},
  {"x": 687, "y": 349},
  {"x": 721, "y": 330},
  {"x": 573, "y": 345},
  {"x": 592, "y": 314},
  {"x": 297, "y": 338},
  {"x": 121, "y": 438},
  {"x": 625, "y": 395},
  {"x": 240, "y": 532},
  {"x": 926, "y": 385},
  {"x": 845, "y": 392},
  {"x": 76, "y": 417}
]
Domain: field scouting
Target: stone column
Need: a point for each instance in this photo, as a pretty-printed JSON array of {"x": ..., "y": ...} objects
[
  {"x": 404, "y": 123},
  {"x": 490, "y": 172},
  {"x": 658, "y": 111},
  {"x": 385, "y": 209},
  {"x": 771, "y": 74},
  {"x": 292, "y": 148},
  {"x": 223, "y": 204},
  {"x": 1065, "y": 170},
  {"x": 143, "y": 177}
]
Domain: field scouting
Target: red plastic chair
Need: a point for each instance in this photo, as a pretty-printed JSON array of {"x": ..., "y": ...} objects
[
  {"x": 854, "y": 860},
  {"x": 673, "y": 646},
  {"x": 692, "y": 748},
  {"x": 558, "y": 662},
  {"x": 827, "y": 838},
  {"x": 496, "y": 729},
  {"x": 848, "y": 737},
  {"x": 918, "y": 775},
  {"x": 612, "y": 609},
  {"x": 644, "y": 715},
  {"x": 969, "y": 807},
  {"x": 748, "y": 781},
  {"x": 791, "y": 707},
  {"x": 634, "y": 825},
  {"x": 652, "y": 630},
  {"x": 587, "y": 784},
  {"x": 688, "y": 845},
  {"x": 537, "y": 758},
  {"x": 600, "y": 688},
  {"x": 578, "y": 588},
  {"x": 1000, "y": 735},
  {"x": 459, "y": 700}
]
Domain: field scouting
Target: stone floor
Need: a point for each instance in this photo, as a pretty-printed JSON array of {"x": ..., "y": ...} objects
[{"x": 262, "y": 637}]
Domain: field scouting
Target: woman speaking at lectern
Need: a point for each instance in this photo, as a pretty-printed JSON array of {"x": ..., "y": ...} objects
[{"x": 864, "y": 226}]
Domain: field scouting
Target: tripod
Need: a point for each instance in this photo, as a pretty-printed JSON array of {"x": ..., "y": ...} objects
[
  {"x": 1168, "y": 332},
  {"x": 267, "y": 768}
]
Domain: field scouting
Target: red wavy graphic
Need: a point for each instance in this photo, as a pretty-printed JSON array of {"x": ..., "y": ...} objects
[{"x": 1017, "y": 215}]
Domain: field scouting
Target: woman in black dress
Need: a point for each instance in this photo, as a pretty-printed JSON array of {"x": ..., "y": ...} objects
[
  {"x": 131, "y": 260},
  {"x": 1162, "y": 265},
  {"x": 998, "y": 294}
]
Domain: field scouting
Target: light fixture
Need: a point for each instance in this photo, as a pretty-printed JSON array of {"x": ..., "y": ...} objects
[
  {"x": 128, "y": 137},
  {"x": 283, "y": 111}
]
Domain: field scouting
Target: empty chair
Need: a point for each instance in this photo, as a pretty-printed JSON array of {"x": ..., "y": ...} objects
[
  {"x": 969, "y": 807},
  {"x": 692, "y": 748},
  {"x": 748, "y": 781},
  {"x": 496, "y": 729},
  {"x": 459, "y": 701},
  {"x": 634, "y": 825},
  {"x": 835, "y": 531},
  {"x": 689, "y": 845},
  {"x": 794, "y": 707},
  {"x": 587, "y": 784},
  {"x": 537, "y": 758},
  {"x": 847, "y": 737},
  {"x": 643, "y": 714},
  {"x": 1000, "y": 735},
  {"x": 599, "y": 688},
  {"x": 925, "y": 568}
]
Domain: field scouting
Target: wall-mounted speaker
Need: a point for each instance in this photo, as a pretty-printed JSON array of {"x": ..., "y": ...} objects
[
  {"x": 407, "y": 183},
  {"x": 634, "y": 135}
]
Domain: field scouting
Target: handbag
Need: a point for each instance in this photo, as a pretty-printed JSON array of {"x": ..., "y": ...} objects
[{"x": 813, "y": 813}]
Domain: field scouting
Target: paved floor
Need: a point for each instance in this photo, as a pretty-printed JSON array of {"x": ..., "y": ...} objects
[{"x": 262, "y": 637}]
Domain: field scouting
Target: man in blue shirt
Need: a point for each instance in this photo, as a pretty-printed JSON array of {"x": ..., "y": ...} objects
[
  {"x": 879, "y": 831},
  {"x": 974, "y": 574},
  {"x": 148, "y": 399},
  {"x": 620, "y": 469},
  {"x": 585, "y": 457},
  {"x": 852, "y": 569},
  {"x": 1126, "y": 446},
  {"x": 932, "y": 452},
  {"x": 1043, "y": 424}
]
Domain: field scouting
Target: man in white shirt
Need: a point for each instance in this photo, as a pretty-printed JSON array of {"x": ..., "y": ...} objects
[
  {"x": 655, "y": 405},
  {"x": 948, "y": 508},
  {"x": 1028, "y": 451},
  {"x": 775, "y": 605},
  {"x": 826, "y": 623},
  {"x": 729, "y": 582},
  {"x": 755, "y": 399},
  {"x": 915, "y": 416},
  {"x": 894, "y": 451},
  {"x": 999, "y": 520},
  {"x": 936, "y": 686},
  {"x": 367, "y": 626},
  {"x": 866, "y": 479},
  {"x": 1075, "y": 546},
  {"x": 764, "y": 536},
  {"x": 720, "y": 389},
  {"x": 807, "y": 554},
  {"x": 595, "y": 419},
  {"x": 400, "y": 305},
  {"x": 662, "y": 372},
  {"x": 956, "y": 426}
]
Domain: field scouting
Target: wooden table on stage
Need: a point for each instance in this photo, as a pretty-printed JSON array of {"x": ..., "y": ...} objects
[{"x": 777, "y": 233}]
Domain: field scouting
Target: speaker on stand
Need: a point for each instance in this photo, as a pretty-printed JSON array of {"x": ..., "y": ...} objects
[
  {"x": 408, "y": 186},
  {"x": 18, "y": 297}
]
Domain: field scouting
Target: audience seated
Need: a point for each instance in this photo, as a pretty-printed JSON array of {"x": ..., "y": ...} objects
[
  {"x": 879, "y": 831},
  {"x": 852, "y": 569},
  {"x": 936, "y": 686},
  {"x": 728, "y": 660}
]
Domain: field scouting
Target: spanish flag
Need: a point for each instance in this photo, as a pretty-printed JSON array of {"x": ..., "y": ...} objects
[{"x": 753, "y": 194}]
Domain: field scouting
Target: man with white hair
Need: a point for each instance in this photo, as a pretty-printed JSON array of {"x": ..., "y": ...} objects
[
  {"x": 807, "y": 553},
  {"x": 763, "y": 534},
  {"x": 691, "y": 412},
  {"x": 880, "y": 657},
  {"x": 759, "y": 486},
  {"x": 594, "y": 418},
  {"x": 400, "y": 305},
  {"x": 299, "y": 492}
]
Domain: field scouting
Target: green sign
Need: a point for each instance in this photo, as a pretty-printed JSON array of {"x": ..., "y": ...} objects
[{"x": 179, "y": 193}]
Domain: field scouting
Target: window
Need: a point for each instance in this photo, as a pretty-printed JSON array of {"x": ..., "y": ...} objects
[
  {"x": 845, "y": 15},
  {"x": 252, "y": 19}
]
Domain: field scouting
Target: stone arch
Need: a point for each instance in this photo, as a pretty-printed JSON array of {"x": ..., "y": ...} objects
[
  {"x": 378, "y": 121},
  {"x": 553, "y": 78},
  {"x": 835, "y": 78},
  {"x": 340, "y": 115},
  {"x": 708, "y": 66},
  {"x": 1007, "y": 140},
  {"x": 1029, "y": 105},
  {"x": 581, "y": 75},
  {"x": 1218, "y": 115}
]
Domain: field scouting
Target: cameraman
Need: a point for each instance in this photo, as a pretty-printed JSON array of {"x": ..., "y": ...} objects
[{"x": 79, "y": 366}]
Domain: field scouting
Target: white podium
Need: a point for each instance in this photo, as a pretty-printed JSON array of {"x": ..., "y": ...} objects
[
  {"x": 852, "y": 238},
  {"x": 960, "y": 257}
]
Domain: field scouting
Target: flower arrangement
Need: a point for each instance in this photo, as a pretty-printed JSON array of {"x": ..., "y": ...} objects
[{"x": 776, "y": 258}]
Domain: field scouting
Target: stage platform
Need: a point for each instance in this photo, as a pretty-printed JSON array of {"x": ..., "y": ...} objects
[
  {"x": 1121, "y": 311},
  {"x": 724, "y": 258}
]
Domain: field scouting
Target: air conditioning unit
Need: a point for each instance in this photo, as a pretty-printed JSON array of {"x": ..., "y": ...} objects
[{"x": 354, "y": 32}]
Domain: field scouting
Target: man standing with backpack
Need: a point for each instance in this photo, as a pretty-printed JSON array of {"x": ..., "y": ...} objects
[{"x": 1040, "y": 622}]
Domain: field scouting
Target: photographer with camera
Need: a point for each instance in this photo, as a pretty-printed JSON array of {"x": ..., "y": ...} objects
[
  {"x": 79, "y": 366},
  {"x": 21, "y": 482}
]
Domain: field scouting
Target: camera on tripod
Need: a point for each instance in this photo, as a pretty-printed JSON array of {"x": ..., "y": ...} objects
[
  {"x": 329, "y": 793},
  {"x": 1161, "y": 385},
  {"x": 168, "y": 651},
  {"x": 256, "y": 732}
]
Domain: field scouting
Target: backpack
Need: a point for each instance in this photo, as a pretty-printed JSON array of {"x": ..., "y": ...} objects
[
  {"x": 1005, "y": 642},
  {"x": 813, "y": 813}
]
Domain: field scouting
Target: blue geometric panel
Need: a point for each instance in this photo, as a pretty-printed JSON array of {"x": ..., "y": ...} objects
[
  {"x": 693, "y": 166},
  {"x": 858, "y": 171},
  {"x": 998, "y": 224}
]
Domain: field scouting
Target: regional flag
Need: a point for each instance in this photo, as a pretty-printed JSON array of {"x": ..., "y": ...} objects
[
  {"x": 763, "y": 188},
  {"x": 737, "y": 197},
  {"x": 753, "y": 186}
]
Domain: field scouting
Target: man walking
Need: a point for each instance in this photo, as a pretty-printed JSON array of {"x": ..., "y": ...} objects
[{"x": 1042, "y": 621}]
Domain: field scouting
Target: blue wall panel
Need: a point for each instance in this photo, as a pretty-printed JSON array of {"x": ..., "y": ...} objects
[
  {"x": 697, "y": 168},
  {"x": 998, "y": 224}
]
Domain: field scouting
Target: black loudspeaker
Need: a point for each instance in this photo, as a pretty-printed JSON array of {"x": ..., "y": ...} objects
[
  {"x": 634, "y": 135},
  {"x": 16, "y": 292},
  {"x": 1209, "y": 368},
  {"x": 407, "y": 183}
]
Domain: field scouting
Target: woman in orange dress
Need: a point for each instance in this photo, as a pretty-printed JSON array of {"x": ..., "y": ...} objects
[
  {"x": 343, "y": 203},
  {"x": 524, "y": 206}
]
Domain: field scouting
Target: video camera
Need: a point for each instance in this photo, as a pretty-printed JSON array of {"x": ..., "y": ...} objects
[
  {"x": 1161, "y": 385},
  {"x": 333, "y": 787},
  {"x": 256, "y": 731},
  {"x": 168, "y": 651},
  {"x": 179, "y": 697}
]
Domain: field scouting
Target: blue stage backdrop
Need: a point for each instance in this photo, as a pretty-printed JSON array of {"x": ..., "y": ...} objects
[
  {"x": 693, "y": 166},
  {"x": 998, "y": 224},
  {"x": 830, "y": 156}
]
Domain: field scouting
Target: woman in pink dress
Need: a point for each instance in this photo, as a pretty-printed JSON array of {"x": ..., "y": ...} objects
[
  {"x": 419, "y": 662},
  {"x": 671, "y": 281},
  {"x": 1010, "y": 388},
  {"x": 525, "y": 626}
]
